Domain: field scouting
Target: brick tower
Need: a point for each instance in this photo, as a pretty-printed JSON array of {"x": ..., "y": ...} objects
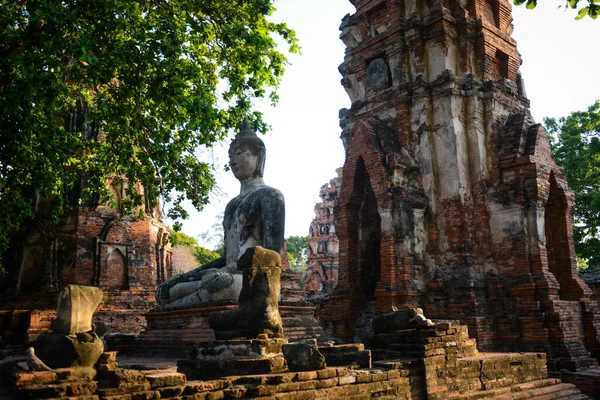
[
  {"x": 450, "y": 199},
  {"x": 323, "y": 245}
]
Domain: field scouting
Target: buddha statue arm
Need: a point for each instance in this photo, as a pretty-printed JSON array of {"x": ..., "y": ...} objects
[{"x": 273, "y": 210}]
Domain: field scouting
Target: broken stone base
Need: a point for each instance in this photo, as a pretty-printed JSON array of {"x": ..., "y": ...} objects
[
  {"x": 347, "y": 354},
  {"x": 235, "y": 349},
  {"x": 439, "y": 362},
  {"x": 234, "y": 357},
  {"x": 58, "y": 350},
  {"x": 500, "y": 376},
  {"x": 175, "y": 333}
]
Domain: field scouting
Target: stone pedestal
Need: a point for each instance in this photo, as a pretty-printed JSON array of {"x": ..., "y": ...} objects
[
  {"x": 174, "y": 333},
  {"x": 221, "y": 358}
]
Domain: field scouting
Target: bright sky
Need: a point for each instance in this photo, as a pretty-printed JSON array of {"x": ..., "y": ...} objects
[{"x": 560, "y": 61}]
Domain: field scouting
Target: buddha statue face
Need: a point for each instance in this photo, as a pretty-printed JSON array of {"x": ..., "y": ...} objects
[
  {"x": 247, "y": 158},
  {"x": 244, "y": 164}
]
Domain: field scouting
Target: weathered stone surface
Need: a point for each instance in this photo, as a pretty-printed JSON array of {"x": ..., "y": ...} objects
[
  {"x": 450, "y": 200},
  {"x": 378, "y": 74},
  {"x": 241, "y": 348},
  {"x": 258, "y": 311},
  {"x": 58, "y": 350},
  {"x": 76, "y": 306},
  {"x": 396, "y": 320},
  {"x": 254, "y": 218},
  {"x": 304, "y": 355}
]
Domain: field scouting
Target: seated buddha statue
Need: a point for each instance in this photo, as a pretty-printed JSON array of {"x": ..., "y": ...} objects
[{"x": 254, "y": 218}]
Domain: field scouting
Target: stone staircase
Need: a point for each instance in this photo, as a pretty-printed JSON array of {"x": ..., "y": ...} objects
[
  {"x": 435, "y": 363},
  {"x": 454, "y": 369}
]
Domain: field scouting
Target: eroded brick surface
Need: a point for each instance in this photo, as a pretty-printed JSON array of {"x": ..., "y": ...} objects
[
  {"x": 125, "y": 257},
  {"x": 449, "y": 199},
  {"x": 323, "y": 246}
]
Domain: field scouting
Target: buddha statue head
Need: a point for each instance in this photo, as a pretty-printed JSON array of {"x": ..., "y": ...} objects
[{"x": 247, "y": 154}]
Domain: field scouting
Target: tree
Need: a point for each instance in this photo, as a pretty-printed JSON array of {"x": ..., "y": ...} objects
[
  {"x": 576, "y": 148},
  {"x": 215, "y": 236},
  {"x": 126, "y": 90},
  {"x": 297, "y": 247},
  {"x": 202, "y": 254},
  {"x": 592, "y": 9}
]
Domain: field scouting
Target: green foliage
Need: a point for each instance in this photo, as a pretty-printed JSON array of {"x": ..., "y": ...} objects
[
  {"x": 576, "y": 148},
  {"x": 215, "y": 236},
  {"x": 129, "y": 90},
  {"x": 297, "y": 247},
  {"x": 592, "y": 9},
  {"x": 202, "y": 254}
]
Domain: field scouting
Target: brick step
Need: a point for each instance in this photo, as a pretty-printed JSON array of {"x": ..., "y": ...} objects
[
  {"x": 341, "y": 348},
  {"x": 208, "y": 369},
  {"x": 543, "y": 389},
  {"x": 384, "y": 355},
  {"x": 399, "y": 363}
]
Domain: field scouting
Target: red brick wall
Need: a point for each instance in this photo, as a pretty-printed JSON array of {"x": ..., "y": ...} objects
[{"x": 125, "y": 257}]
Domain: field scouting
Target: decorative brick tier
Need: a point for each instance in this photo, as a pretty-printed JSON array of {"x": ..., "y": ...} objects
[{"x": 174, "y": 332}]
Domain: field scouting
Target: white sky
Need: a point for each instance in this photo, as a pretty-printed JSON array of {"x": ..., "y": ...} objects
[{"x": 560, "y": 60}]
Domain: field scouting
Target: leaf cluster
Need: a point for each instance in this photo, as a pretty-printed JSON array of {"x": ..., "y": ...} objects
[
  {"x": 592, "y": 9},
  {"x": 126, "y": 90},
  {"x": 202, "y": 254},
  {"x": 576, "y": 148},
  {"x": 297, "y": 248}
]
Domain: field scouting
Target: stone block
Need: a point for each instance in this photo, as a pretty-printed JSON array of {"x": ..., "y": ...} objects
[
  {"x": 200, "y": 369},
  {"x": 165, "y": 378},
  {"x": 304, "y": 356},
  {"x": 238, "y": 348},
  {"x": 394, "y": 321},
  {"x": 76, "y": 306}
]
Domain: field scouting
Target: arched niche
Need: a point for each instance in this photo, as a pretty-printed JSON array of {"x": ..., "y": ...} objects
[
  {"x": 364, "y": 238},
  {"x": 558, "y": 249},
  {"x": 111, "y": 201},
  {"x": 368, "y": 236},
  {"x": 117, "y": 276},
  {"x": 115, "y": 248}
]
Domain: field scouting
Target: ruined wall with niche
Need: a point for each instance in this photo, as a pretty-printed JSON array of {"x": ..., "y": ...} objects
[
  {"x": 94, "y": 245},
  {"x": 323, "y": 245},
  {"x": 450, "y": 199}
]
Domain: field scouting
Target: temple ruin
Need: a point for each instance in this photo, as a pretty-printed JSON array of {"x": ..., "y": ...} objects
[
  {"x": 450, "y": 199},
  {"x": 454, "y": 228},
  {"x": 323, "y": 245},
  {"x": 94, "y": 244}
]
